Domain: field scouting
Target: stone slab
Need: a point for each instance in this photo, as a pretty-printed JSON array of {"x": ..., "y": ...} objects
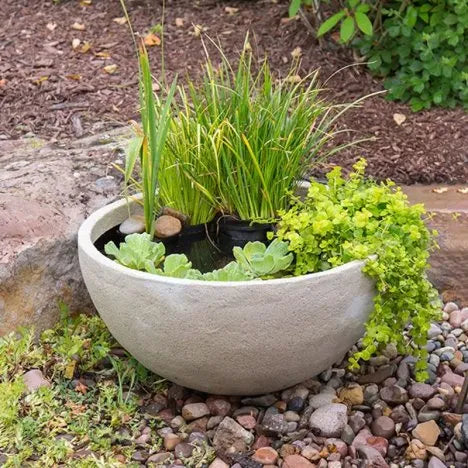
[
  {"x": 448, "y": 207},
  {"x": 46, "y": 191}
]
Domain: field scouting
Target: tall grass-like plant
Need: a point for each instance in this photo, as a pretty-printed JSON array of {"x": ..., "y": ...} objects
[
  {"x": 155, "y": 119},
  {"x": 270, "y": 132},
  {"x": 188, "y": 167}
]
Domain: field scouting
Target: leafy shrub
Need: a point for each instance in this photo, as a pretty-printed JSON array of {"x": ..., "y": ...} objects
[
  {"x": 354, "y": 218},
  {"x": 419, "y": 46}
]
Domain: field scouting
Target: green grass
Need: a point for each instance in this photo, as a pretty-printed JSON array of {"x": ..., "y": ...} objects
[{"x": 98, "y": 421}]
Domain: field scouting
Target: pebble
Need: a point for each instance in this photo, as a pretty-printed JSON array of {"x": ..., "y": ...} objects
[
  {"x": 296, "y": 404},
  {"x": 337, "y": 445},
  {"x": 183, "y": 450},
  {"x": 310, "y": 453},
  {"x": 416, "y": 450},
  {"x": 170, "y": 441},
  {"x": 322, "y": 399},
  {"x": 34, "y": 379},
  {"x": 329, "y": 420},
  {"x": 133, "y": 225},
  {"x": 450, "y": 307},
  {"x": 434, "y": 331},
  {"x": 230, "y": 437},
  {"x": 218, "y": 407},
  {"x": 247, "y": 421},
  {"x": 383, "y": 427},
  {"x": 357, "y": 421},
  {"x": 372, "y": 456},
  {"x": 218, "y": 463},
  {"x": 434, "y": 462},
  {"x": 167, "y": 226},
  {"x": 195, "y": 411},
  {"x": 348, "y": 435},
  {"x": 421, "y": 390},
  {"x": 427, "y": 432},
  {"x": 265, "y": 456},
  {"x": 158, "y": 458},
  {"x": 291, "y": 416},
  {"x": 296, "y": 461},
  {"x": 394, "y": 394},
  {"x": 352, "y": 395}
]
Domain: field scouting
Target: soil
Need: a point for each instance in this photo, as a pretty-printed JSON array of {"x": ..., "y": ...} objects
[{"x": 50, "y": 89}]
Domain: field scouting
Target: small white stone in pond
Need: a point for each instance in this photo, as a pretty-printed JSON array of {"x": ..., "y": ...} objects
[{"x": 133, "y": 225}]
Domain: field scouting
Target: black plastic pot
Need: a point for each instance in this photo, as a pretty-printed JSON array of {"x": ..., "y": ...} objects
[{"x": 236, "y": 233}]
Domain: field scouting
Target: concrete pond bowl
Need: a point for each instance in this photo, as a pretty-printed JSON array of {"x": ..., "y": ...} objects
[{"x": 232, "y": 338}]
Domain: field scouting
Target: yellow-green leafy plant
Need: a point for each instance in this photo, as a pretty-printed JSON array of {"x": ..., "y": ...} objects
[{"x": 356, "y": 218}]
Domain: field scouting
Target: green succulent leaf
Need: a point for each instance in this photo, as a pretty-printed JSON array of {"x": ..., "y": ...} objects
[
  {"x": 231, "y": 272},
  {"x": 138, "y": 252},
  {"x": 260, "y": 260},
  {"x": 178, "y": 266}
]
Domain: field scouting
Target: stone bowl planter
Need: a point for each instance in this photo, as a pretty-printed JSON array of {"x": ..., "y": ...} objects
[{"x": 233, "y": 338}]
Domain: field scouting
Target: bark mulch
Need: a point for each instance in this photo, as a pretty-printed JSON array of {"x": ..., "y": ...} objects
[{"x": 50, "y": 89}]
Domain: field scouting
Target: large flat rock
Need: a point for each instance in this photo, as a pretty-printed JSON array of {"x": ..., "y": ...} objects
[
  {"x": 448, "y": 209},
  {"x": 46, "y": 190}
]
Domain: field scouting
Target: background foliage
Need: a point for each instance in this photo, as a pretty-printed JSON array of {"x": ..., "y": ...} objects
[{"x": 419, "y": 46}]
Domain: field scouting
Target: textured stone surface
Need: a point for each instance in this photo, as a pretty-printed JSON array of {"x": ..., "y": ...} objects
[
  {"x": 449, "y": 264},
  {"x": 45, "y": 193},
  {"x": 231, "y": 437}
]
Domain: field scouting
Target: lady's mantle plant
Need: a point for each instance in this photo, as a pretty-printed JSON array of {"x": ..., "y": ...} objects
[{"x": 355, "y": 218}]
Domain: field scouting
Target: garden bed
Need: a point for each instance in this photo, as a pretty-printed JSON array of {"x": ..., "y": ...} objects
[
  {"x": 88, "y": 404},
  {"x": 52, "y": 90}
]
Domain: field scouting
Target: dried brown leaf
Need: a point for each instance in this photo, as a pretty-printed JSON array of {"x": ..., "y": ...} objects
[
  {"x": 231, "y": 10},
  {"x": 179, "y": 22},
  {"x": 296, "y": 53},
  {"x": 78, "y": 26},
  {"x": 75, "y": 43},
  {"x": 440, "y": 190},
  {"x": 74, "y": 76},
  {"x": 152, "y": 40},
  {"x": 399, "y": 118},
  {"x": 121, "y": 20},
  {"x": 463, "y": 190},
  {"x": 110, "y": 69},
  {"x": 51, "y": 26},
  {"x": 104, "y": 54},
  {"x": 85, "y": 47}
]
